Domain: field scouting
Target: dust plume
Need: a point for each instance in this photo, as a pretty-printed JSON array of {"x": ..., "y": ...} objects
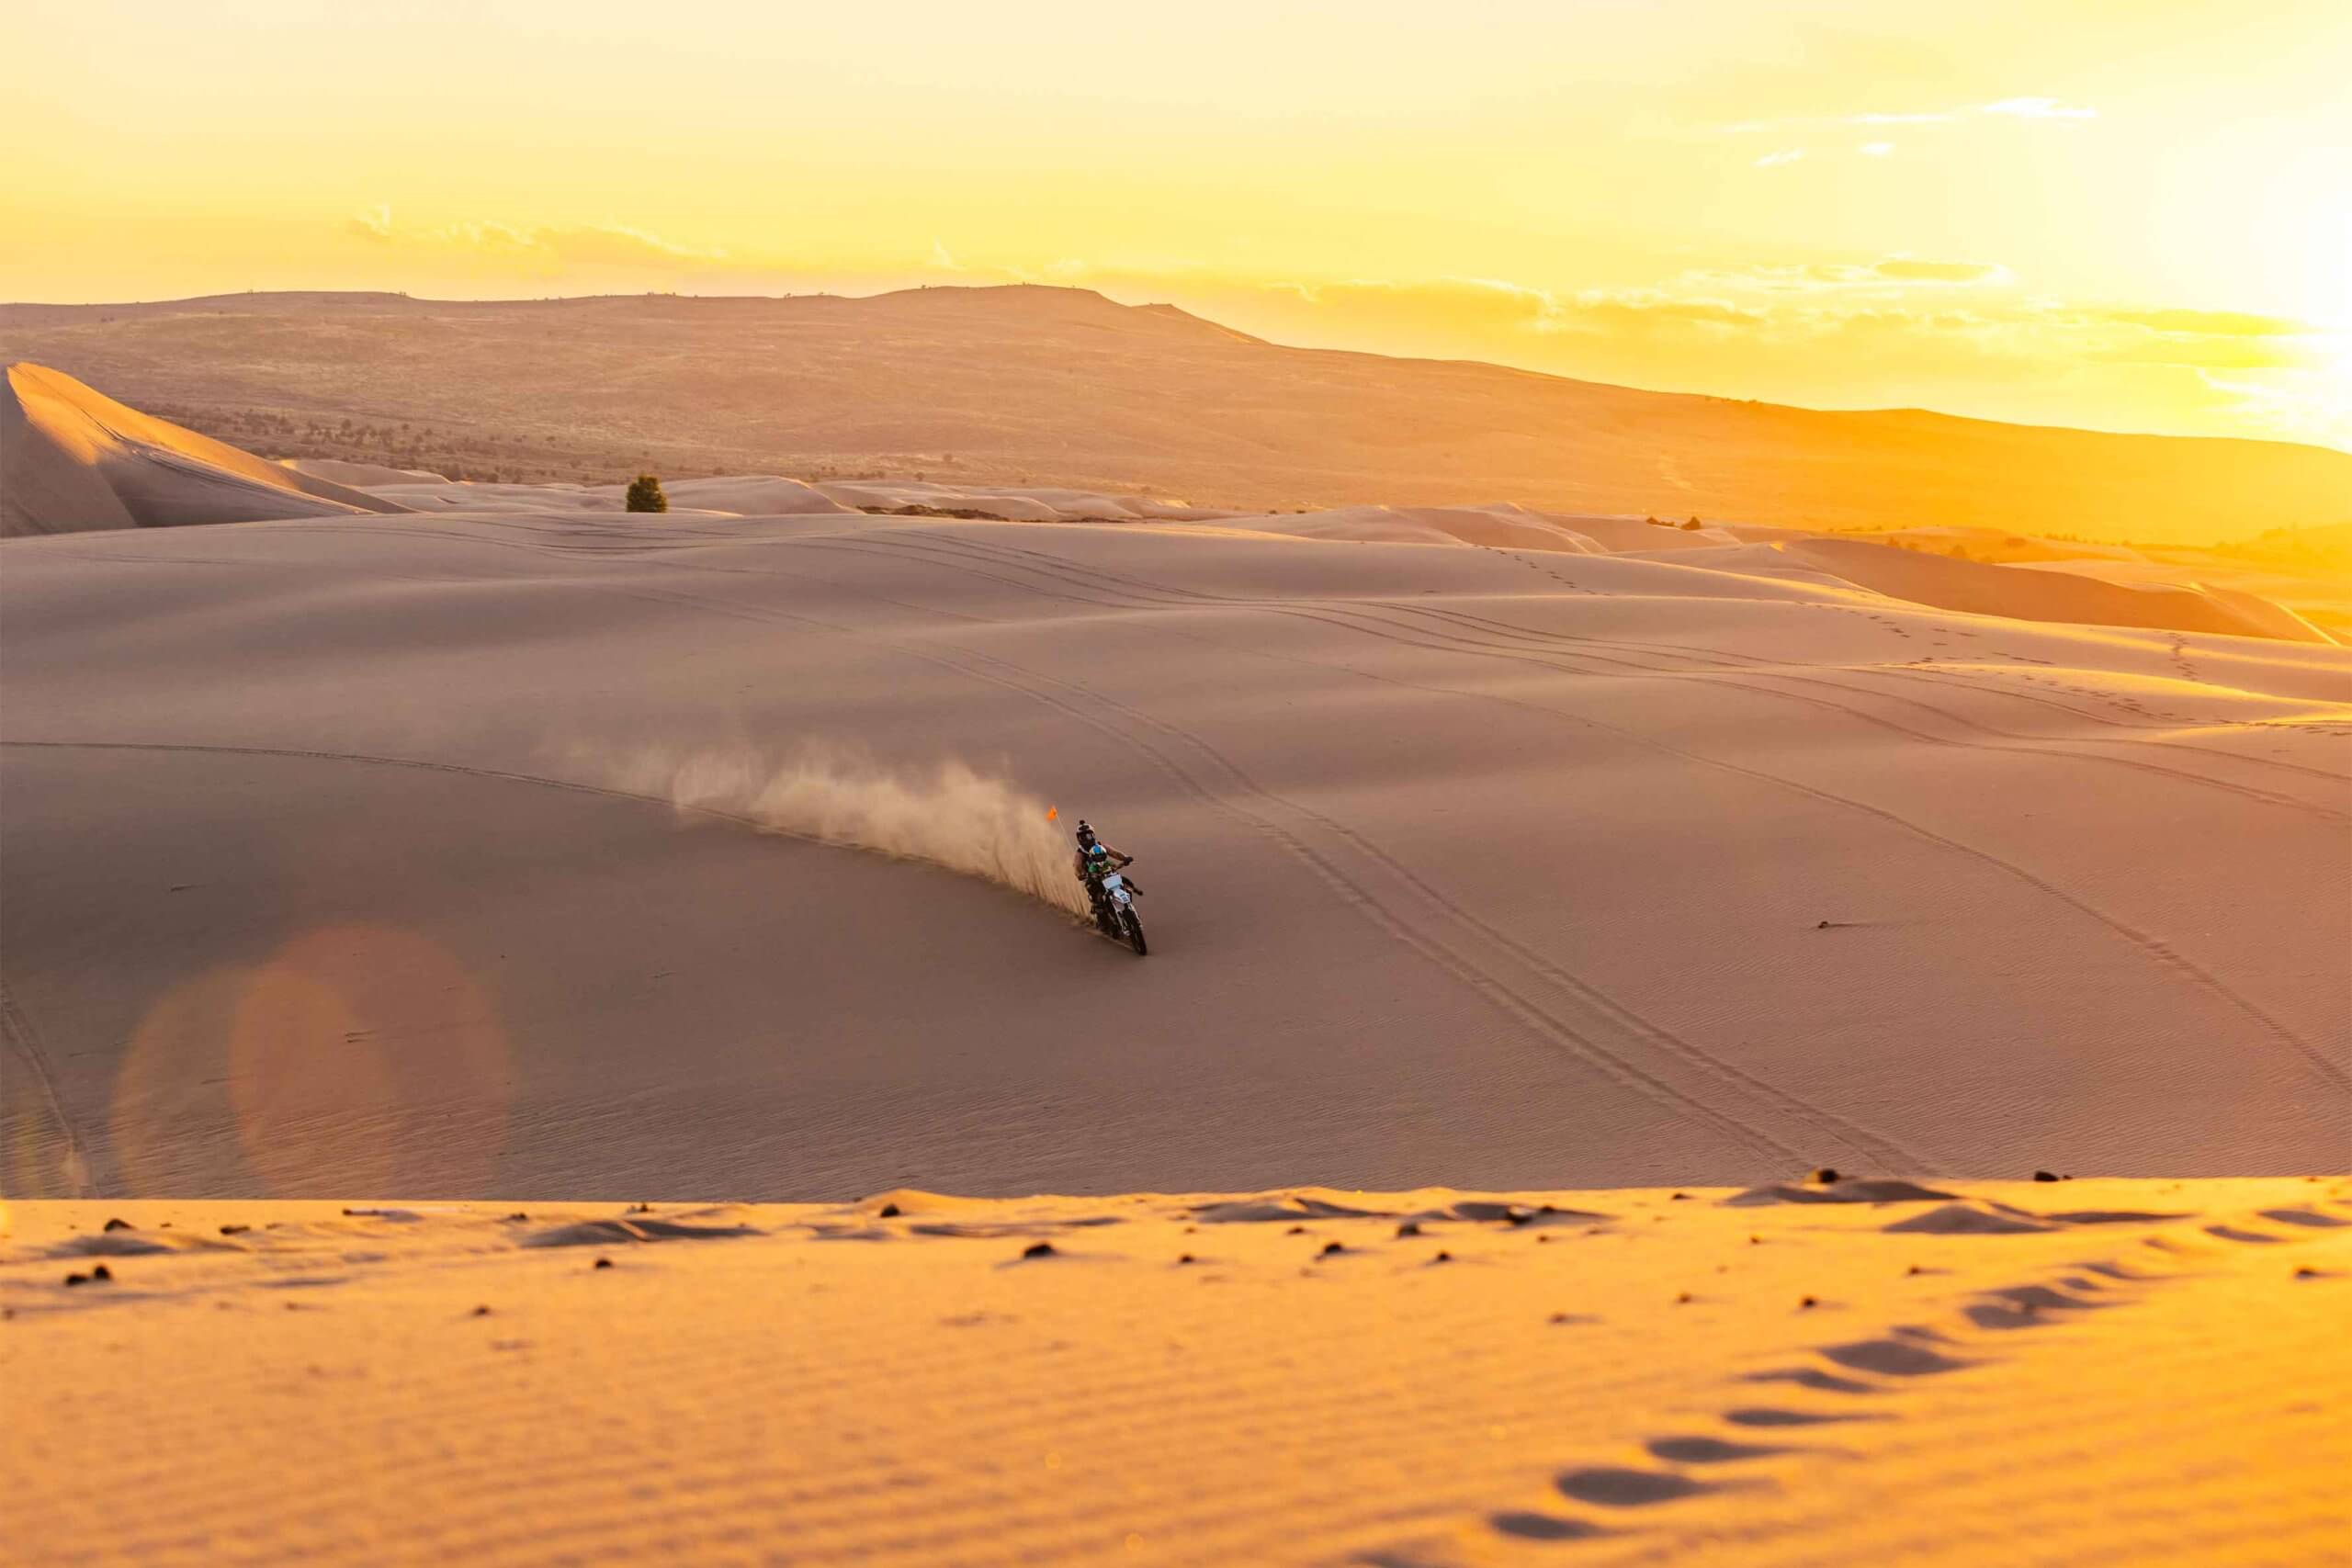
[{"x": 951, "y": 815}]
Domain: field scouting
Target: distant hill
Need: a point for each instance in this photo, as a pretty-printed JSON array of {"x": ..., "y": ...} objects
[
  {"x": 1063, "y": 387},
  {"x": 73, "y": 459}
]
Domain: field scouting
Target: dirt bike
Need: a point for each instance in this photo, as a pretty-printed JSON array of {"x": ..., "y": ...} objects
[{"x": 1115, "y": 911}]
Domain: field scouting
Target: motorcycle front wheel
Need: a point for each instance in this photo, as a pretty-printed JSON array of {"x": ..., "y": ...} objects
[{"x": 1134, "y": 933}]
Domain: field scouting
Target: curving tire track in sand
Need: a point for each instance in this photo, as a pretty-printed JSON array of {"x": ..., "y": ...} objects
[{"x": 2162, "y": 952}]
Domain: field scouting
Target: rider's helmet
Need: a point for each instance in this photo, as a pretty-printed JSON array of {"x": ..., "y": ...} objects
[{"x": 1085, "y": 835}]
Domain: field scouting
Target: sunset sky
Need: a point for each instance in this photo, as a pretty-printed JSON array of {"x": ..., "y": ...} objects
[{"x": 2126, "y": 214}]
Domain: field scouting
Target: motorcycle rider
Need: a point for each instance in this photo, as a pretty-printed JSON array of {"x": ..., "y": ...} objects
[{"x": 1097, "y": 860}]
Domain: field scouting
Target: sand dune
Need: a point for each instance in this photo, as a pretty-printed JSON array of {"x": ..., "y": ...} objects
[
  {"x": 1534, "y": 867},
  {"x": 360, "y": 476},
  {"x": 1028, "y": 503},
  {"x": 2087, "y": 1371},
  {"x": 534, "y": 848},
  {"x": 1029, "y": 387},
  {"x": 2054, "y": 595},
  {"x": 88, "y": 463},
  {"x": 764, "y": 495},
  {"x": 74, "y": 459}
]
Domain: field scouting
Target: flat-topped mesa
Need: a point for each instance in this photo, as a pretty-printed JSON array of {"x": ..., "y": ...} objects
[{"x": 1032, "y": 384}]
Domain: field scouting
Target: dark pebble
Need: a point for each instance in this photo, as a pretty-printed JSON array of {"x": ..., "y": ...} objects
[
  {"x": 890, "y": 1210},
  {"x": 1826, "y": 1175},
  {"x": 235, "y": 1230},
  {"x": 481, "y": 1311},
  {"x": 1808, "y": 1302},
  {"x": 1680, "y": 1198},
  {"x": 1038, "y": 1249},
  {"x": 604, "y": 1263},
  {"x": 117, "y": 1225},
  {"x": 1331, "y": 1247},
  {"x": 516, "y": 1217},
  {"x": 1410, "y": 1227},
  {"x": 72, "y": 1279},
  {"x": 1442, "y": 1258},
  {"x": 2045, "y": 1175},
  {"x": 1187, "y": 1258},
  {"x": 1295, "y": 1230},
  {"x": 101, "y": 1275},
  {"x": 1681, "y": 1297}
]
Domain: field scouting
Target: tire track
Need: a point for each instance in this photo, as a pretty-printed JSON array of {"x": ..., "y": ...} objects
[
  {"x": 880, "y": 542},
  {"x": 23, "y": 1043},
  {"x": 1874, "y": 1146},
  {"x": 1505, "y": 997},
  {"x": 1627, "y": 1022},
  {"x": 1713, "y": 673},
  {"x": 1713, "y": 660},
  {"x": 1746, "y": 663},
  {"x": 2162, "y": 952},
  {"x": 1041, "y": 688}
]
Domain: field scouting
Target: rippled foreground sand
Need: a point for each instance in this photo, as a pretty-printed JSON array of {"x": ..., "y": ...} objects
[{"x": 1974, "y": 1373}]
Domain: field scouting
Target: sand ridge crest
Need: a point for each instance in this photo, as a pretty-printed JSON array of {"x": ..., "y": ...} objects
[{"x": 76, "y": 459}]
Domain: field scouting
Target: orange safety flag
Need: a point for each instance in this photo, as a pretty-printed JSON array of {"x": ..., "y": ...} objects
[{"x": 1053, "y": 813}]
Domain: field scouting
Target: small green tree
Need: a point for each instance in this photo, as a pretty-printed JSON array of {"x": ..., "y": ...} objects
[{"x": 645, "y": 494}]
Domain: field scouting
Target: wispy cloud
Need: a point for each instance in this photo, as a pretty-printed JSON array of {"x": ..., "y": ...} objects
[
  {"x": 375, "y": 223},
  {"x": 1877, "y": 149},
  {"x": 1827, "y": 122},
  {"x": 1908, "y": 269},
  {"x": 1905, "y": 322},
  {"x": 1888, "y": 274},
  {"x": 544, "y": 246},
  {"x": 2038, "y": 108},
  {"x": 1785, "y": 155},
  {"x": 2218, "y": 324},
  {"x": 2008, "y": 109}
]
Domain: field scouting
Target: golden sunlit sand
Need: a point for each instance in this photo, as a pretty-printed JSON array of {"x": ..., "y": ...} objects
[
  {"x": 511, "y": 844},
  {"x": 2150, "y": 1373},
  {"x": 1538, "y": 866},
  {"x": 1712, "y": 643}
]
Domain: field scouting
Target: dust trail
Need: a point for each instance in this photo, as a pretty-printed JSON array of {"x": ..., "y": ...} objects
[{"x": 952, "y": 815}]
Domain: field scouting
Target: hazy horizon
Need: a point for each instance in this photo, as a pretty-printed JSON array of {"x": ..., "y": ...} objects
[
  {"x": 1115, "y": 297},
  {"x": 2060, "y": 215}
]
